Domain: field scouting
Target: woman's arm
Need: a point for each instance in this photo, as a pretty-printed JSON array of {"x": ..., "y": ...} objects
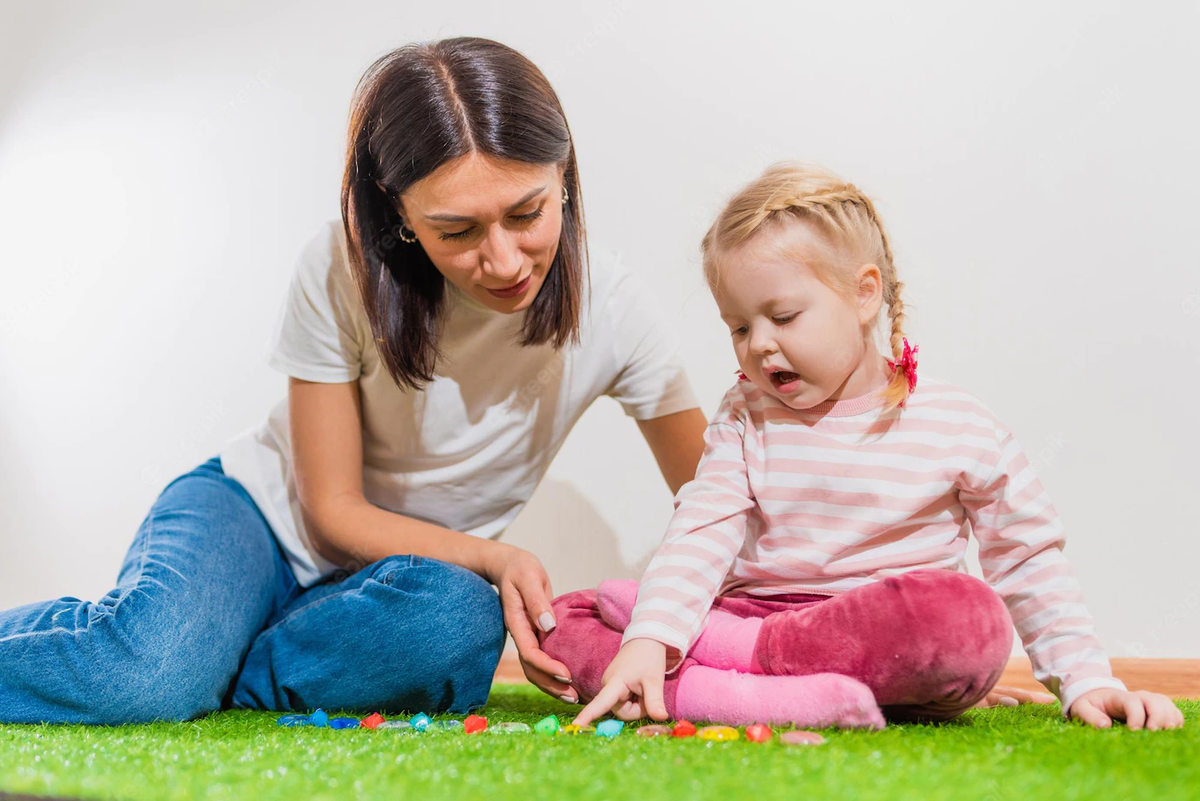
[
  {"x": 326, "y": 434},
  {"x": 677, "y": 441},
  {"x": 325, "y": 421}
]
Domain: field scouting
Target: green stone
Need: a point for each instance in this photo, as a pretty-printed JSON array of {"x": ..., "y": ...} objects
[{"x": 547, "y": 725}]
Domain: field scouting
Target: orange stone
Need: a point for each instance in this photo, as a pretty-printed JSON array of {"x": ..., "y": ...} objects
[
  {"x": 759, "y": 733},
  {"x": 371, "y": 721}
]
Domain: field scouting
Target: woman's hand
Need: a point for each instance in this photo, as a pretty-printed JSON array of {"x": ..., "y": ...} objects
[
  {"x": 1140, "y": 709},
  {"x": 525, "y": 597},
  {"x": 1013, "y": 696},
  {"x": 633, "y": 684}
]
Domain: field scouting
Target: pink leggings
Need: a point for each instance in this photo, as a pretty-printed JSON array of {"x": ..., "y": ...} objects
[{"x": 929, "y": 643}]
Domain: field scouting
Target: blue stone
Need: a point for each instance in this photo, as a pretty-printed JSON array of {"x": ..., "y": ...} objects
[
  {"x": 609, "y": 728},
  {"x": 294, "y": 720},
  {"x": 343, "y": 723},
  {"x": 319, "y": 718},
  {"x": 420, "y": 721}
]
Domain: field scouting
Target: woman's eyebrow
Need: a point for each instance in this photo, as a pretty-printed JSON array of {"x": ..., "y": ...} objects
[{"x": 459, "y": 218}]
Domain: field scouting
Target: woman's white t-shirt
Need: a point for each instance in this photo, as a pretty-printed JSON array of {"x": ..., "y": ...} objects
[{"x": 468, "y": 450}]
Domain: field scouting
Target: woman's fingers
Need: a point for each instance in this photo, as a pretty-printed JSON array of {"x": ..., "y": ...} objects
[
  {"x": 535, "y": 594},
  {"x": 532, "y": 656},
  {"x": 549, "y": 684},
  {"x": 536, "y": 607}
]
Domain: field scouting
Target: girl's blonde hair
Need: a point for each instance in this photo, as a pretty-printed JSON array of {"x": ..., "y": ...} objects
[{"x": 845, "y": 218}]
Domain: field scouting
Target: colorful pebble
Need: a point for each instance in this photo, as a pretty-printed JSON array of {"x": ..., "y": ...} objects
[
  {"x": 319, "y": 718},
  {"x": 802, "y": 738},
  {"x": 572, "y": 729},
  {"x": 398, "y": 726},
  {"x": 547, "y": 725},
  {"x": 445, "y": 725},
  {"x": 609, "y": 728},
  {"x": 654, "y": 730},
  {"x": 371, "y": 721},
  {"x": 420, "y": 721},
  {"x": 294, "y": 720},
  {"x": 474, "y": 724},
  {"x": 343, "y": 723},
  {"x": 718, "y": 733},
  {"x": 759, "y": 733},
  {"x": 509, "y": 727},
  {"x": 684, "y": 728}
]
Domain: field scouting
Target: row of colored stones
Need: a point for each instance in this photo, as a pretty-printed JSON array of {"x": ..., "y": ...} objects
[{"x": 474, "y": 724}]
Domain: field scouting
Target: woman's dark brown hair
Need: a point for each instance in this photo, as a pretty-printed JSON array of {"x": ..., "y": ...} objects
[{"x": 415, "y": 109}]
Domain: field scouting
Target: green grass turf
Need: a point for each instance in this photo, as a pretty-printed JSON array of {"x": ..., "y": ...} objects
[{"x": 999, "y": 754}]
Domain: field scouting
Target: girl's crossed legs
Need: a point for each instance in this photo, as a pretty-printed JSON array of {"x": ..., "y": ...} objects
[{"x": 928, "y": 644}]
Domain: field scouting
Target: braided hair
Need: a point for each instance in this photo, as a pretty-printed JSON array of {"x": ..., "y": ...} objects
[{"x": 850, "y": 226}]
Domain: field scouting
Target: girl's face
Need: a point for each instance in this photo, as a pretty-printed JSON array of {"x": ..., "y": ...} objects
[
  {"x": 491, "y": 227},
  {"x": 795, "y": 337}
]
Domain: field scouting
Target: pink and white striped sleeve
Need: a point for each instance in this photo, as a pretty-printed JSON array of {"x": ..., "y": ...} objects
[
  {"x": 1021, "y": 553},
  {"x": 703, "y": 538}
]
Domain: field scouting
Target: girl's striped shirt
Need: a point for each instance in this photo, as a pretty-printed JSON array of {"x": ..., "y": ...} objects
[{"x": 827, "y": 499}]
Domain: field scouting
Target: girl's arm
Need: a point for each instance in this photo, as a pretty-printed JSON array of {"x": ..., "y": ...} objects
[
  {"x": 703, "y": 538},
  {"x": 1021, "y": 553}
]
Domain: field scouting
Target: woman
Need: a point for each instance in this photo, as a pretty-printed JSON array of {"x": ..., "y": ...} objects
[{"x": 441, "y": 340}]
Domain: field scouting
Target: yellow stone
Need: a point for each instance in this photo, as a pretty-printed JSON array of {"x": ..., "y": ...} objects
[
  {"x": 571, "y": 728},
  {"x": 718, "y": 733}
]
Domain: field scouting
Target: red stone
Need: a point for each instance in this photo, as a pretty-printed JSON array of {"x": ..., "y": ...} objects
[
  {"x": 474, "y": 724},
  {"x": 371, "y": 721},
  {"x": 684, "y": 728},
  {"x": 759, "y": 733}
]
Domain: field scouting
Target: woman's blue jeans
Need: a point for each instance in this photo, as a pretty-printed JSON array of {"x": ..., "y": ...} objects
[{"x": 207, "y": 615}]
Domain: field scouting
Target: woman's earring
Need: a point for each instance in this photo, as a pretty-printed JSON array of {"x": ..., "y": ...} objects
[
  {"x": 566, "y": 197},
  {"x": 410, "y": 237}
]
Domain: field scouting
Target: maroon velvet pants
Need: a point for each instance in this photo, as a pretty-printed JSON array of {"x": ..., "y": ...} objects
[{"x": 929, "y": 643}]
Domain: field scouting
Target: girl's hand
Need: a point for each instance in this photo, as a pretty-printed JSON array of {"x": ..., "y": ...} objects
[
  {"x": 1013, "y": 696},
  {"x": 525, "y": 596},
  {"x": 633, "y": 684},
  {"x": 1138, "y": 709}
]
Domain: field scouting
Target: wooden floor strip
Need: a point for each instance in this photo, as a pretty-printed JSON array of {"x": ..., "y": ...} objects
[{"x": 1178, "y": 678}]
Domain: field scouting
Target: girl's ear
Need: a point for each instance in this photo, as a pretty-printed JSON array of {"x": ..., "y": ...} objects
[{"x": 870, "y": 293}]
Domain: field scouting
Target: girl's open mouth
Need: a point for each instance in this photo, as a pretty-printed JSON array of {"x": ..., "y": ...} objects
[{"x": 785, "y": 381}]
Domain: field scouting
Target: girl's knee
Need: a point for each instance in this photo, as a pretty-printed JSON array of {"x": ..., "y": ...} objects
[
  {"x": 581, "y": 640},
  {"x": 955, "y": 611},
  {"x": 963, "y": 635}
]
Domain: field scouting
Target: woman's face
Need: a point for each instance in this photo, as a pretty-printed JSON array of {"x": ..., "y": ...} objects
[{"x": 491, "y": 227}]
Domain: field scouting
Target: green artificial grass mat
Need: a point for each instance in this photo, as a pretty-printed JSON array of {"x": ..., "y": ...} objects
[{"x": 1001, "y": 754}]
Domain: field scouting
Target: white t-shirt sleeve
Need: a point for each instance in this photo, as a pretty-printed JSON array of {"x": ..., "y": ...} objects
[
  {"x": 650, "y": 378},
  {"x": 317, "y": 336}
]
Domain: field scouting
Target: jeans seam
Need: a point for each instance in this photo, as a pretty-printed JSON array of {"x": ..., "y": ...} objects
[
  {"x": 143, "y": 555},
  {"x": 315, "y": 604}
]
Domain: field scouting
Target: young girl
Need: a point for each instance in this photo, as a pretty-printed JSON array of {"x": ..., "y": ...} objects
[{"x": 813, "y": 570}]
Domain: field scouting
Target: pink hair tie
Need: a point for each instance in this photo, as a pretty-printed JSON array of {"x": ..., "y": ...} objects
[{"x": 908, "y": 363}]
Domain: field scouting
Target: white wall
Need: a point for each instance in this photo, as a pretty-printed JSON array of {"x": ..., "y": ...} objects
[{"x": 160, "y": 168}]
